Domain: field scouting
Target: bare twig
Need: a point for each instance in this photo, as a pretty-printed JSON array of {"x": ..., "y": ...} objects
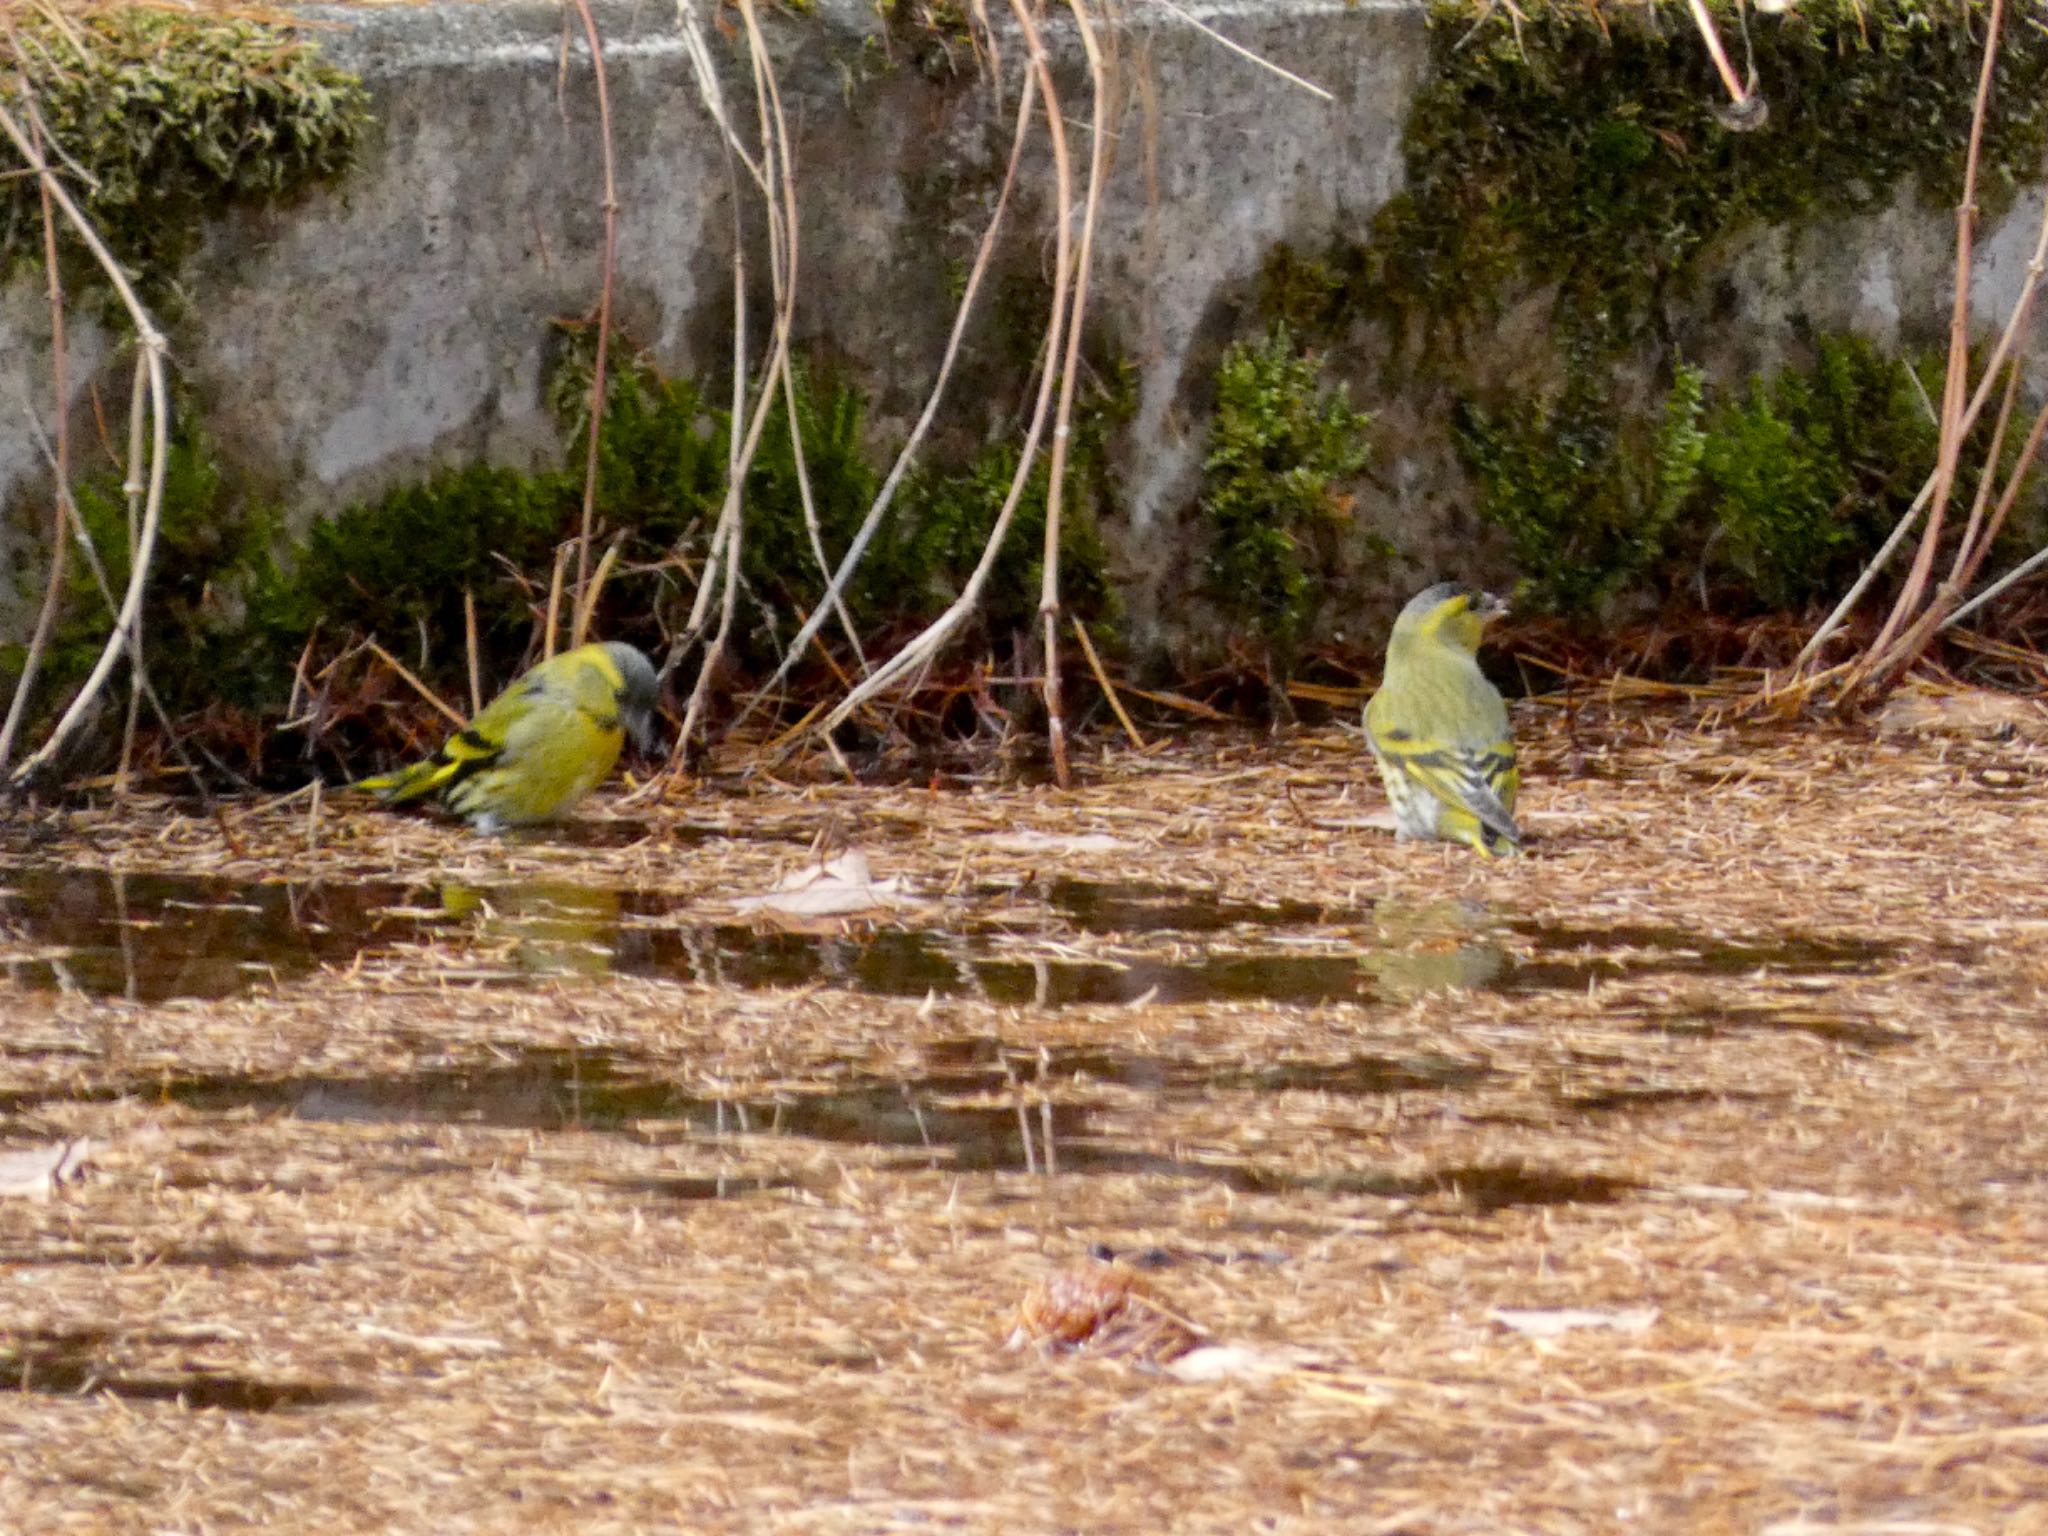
[
  {"x": 722, "y": 564},
  {"x": 1241, "y": 51},
  {"x": 97, "y": 568},
  {"x": 1881, "y": 659},
  {"x": 554, "y": 619},
  {"x": 150, "y": 342},
  {"x": 2027, "y": 454},
  {"x": 1834, "y": 621},
  {"x": 60, "y": 546},
  {"x": 604, "y": 324},
  {"x": 907, "y": 456},
  {"x": 1108, "y": 688},
  {"x": 476, "y": 673},
  {"x": 1970, "y": 547},
  {"x": 138, "y": 678},
  {"x": 783, "y": 222},
  {"x": 441, "y": 705},
  {"x": 1070, "y": 370},
  {"x": 1738, "y": 92},
  {"x": 932, "y": 639},
  {"x": 586, "y": 615}
]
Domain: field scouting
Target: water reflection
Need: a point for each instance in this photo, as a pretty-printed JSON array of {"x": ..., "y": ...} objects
[
  {"x": 153, "y": 937},
  {"x": 545, "y": 926}
]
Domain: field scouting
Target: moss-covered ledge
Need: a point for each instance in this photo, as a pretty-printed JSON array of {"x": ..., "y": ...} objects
[{"x": 166, "y": 119}]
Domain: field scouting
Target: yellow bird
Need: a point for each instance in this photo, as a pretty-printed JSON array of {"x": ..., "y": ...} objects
[
  {"x": 541, "y": 745},
  {"x": 1438, "y": 729}
]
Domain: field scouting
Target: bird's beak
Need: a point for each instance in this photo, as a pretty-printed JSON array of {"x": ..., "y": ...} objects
[
  {"x": 1490, "y": 607},
  {"x": 640, "y": 726}
]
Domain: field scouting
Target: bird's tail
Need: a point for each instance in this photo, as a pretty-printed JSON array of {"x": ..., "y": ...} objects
[{"x": 411, "y": 781}]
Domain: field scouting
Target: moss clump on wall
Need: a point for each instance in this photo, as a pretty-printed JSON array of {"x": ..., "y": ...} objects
[
  {"x": 662, "y": 466},
  {"x": 937, "y": 36},
  {"x": 173, "y": 117},
  {"x": 215, "y": 567},
  {"x": 229, "y": 611},
  {"x": 1571, "y": 161},
  {"x": 1587, "y": 499},
  {"x": 1763, "y": 498},
  {"x": 1582, "y": 148},
  {"x": 1281, "y": 446},
  {"x": 1804, "y": 473}
]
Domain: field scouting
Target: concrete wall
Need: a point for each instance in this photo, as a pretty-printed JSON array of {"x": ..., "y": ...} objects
[{"x": 402, "y": 320}]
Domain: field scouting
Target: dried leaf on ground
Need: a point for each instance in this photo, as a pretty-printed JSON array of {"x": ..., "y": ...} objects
[
  {"x": 33, "y": 1172},
  {"x": 844, "y": 887}
]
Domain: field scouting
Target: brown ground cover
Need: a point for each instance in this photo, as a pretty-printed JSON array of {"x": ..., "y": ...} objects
[{"x": 454, "y": 1185}]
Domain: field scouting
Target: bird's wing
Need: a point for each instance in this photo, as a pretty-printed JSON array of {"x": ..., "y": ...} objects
[
  {"x": 1465, "y": 777},
  {"x": 461, "y": 755}
]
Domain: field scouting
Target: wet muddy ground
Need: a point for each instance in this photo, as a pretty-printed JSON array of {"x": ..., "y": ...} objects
[{"x": 1689, "y": 1175}]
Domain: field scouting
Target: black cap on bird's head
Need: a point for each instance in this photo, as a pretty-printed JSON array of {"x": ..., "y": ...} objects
[
  {"x": 639, "y": 688},
  {"x": 1468, "y": 599},
  {"x": 1452, "y": 610}
]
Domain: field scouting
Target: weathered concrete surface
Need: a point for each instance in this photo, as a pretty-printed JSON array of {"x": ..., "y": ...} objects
[{"x": 403, "y": 320}]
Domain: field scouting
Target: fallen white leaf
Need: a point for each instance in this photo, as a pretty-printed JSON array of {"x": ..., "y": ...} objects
[
  {"x": 1548, "y": 1323},
  {"x": 842, "y": 888},
  {"x": 1057, "y": 842},
  {"x": 33, "y": 1172}
]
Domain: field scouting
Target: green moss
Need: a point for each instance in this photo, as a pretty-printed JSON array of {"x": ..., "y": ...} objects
[
  {"x": 398, "y": 567},
  {"x": 212, "y": 591},
  {"x": 229, "y": 612},
  {"x": 1280, "y": 447},
  {"x": 1587, "y": 498},
  {"x": 1582, "y": 148},
  {"x": 174, "y": 117},
  {"x": 937, "y": 36},
  {"x": 1805, "y": 473},
  {"x": 1307, "y": 294},
  {"x": 663, "y": 455},
  {"x": 1576, "y": 155},
  {"x": 1770, "y": 497}
]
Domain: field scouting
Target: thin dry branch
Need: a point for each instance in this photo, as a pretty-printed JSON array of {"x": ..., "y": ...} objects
[
  {"x": 473, "y": 650},
  {"x": 1917, "y": 615},
  {"x": 722, "y": 563},
  {"x": 1136, "y": 737},
  {"x": 554, "y": 618},
  {"x": 783, "y": 233},
  {"x": 60, "y": 546},
  {"x": 1070, "y": 369},
  {"x": 138, "y": 675},
  {"x": 927, "y": 644},
  {"x": 583, "y": 609},
  {"x": 150, "y": 343},
  {"x": 412, "y": 680},
  {"x": 1201, "y": 26},
  {"x": 1882, "y": 660},
  {"x": 906, "y": 458},
  {"x": 2028, "y": 451}
]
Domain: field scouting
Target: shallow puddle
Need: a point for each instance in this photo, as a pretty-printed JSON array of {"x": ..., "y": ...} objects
[
  {"x": 973, "y": 1103},
  {"x": 154, "y": 937},
  {"x": 978, "y": 1108},
  {"x": 73, "y": 1363}
]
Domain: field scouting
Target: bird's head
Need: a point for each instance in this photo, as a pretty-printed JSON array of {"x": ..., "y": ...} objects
[
  {"x": 639, "y": 689},
  {"x": 1449, "y": 611}
]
